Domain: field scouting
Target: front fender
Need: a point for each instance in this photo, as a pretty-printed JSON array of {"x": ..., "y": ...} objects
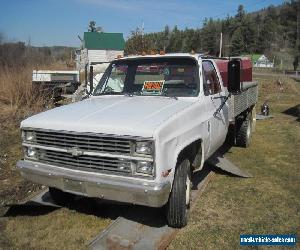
[{"x": 172, "y": 149}]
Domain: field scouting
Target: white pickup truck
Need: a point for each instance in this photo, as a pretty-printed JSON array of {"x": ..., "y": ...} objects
[{"x": 147, "y": 126}]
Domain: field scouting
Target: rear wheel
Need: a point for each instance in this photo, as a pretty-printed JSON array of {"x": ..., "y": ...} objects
[
  {"x": 177, "y": 208},
  {"x": 60, "y": 197},
  {"x": 243, "y": 136}
]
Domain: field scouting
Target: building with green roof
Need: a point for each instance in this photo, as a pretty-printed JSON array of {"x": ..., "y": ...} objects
[
  {"x": 103, "y": 41},
  {"x": 99, "y": 47}
]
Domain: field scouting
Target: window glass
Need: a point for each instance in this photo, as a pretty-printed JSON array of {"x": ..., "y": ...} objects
[
  {"x": 211, "y": 84},
  {"x": 115, "y": 80},
  {"x": 174, "y": 76}
]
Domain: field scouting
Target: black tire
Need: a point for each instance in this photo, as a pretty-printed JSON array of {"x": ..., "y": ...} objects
[
  {"x": 60, "y": 197},
  {"x": 243, "y": 136},
  {"x": 177, "y": 208}
]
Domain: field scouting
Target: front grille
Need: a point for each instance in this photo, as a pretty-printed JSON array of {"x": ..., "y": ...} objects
[
  {"x": 84, "y": 141},
  {"x": 84, "y": 162}
]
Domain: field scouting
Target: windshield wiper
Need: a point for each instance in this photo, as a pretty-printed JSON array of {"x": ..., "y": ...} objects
[
  {"x": 170, "y": 96},
  {"x": 128, "y": 94},
  {"x": 110, "y": 93}
]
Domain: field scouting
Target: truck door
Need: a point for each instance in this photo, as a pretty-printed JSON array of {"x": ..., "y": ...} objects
[{"x": 214, "y": 94}]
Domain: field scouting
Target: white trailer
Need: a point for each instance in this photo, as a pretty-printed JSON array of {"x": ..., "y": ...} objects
[{"x": 57, "y": 82}]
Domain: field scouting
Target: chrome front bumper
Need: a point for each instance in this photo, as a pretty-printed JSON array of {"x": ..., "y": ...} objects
[{"x": 108, "y": 187}]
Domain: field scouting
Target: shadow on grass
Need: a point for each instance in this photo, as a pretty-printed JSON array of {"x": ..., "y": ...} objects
[
  {"x": 28, "y": 210},
  {"x": 91, "y": 206},
  {"x": 293, "y": 111}
]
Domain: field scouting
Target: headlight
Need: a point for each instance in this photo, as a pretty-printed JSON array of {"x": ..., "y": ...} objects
[
  {"x": 144, "y": 167},
  {"x": 30, "y": 152},
  {"x": 28, "y": 135},
  {"x": 144, "y": 147},
  {"x": 124, "y": 165}
]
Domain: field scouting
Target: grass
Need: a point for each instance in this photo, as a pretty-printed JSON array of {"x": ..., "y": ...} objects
[
  {"x": 58, "y": 229},
  {"x": 18, "y": 100},
  {"x": 33, "y": 227},
  {"x": 267, "y": 203}
]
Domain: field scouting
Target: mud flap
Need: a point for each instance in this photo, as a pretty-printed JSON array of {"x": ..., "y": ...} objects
[{"x": 221, "y": 162}]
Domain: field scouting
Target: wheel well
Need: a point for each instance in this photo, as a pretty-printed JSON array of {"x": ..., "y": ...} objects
[
  {"x": 245, "y": 114},
  {"x": 192, "y": 152}
]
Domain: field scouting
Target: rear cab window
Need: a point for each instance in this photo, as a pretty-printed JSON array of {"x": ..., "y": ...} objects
[{"x": 211, "y": 83}]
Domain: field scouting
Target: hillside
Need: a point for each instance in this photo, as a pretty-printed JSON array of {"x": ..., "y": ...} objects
[{"x": 271, "y": 31}]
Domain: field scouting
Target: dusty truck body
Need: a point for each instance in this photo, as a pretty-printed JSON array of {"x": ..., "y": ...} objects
[
  {"x": 149, "y": 124},
  {"x": 56, "y": 82}
]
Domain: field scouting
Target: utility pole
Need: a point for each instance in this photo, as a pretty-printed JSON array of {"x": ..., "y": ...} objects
[
  {"x": 221, "y": 44},
  {"x": 142, "y": 30},
  {"x": 297, "y": 52},
  {"x": 298, "y": 29}
]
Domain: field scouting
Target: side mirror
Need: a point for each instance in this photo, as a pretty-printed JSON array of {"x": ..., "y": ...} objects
[{"x": 234, "y": 76}]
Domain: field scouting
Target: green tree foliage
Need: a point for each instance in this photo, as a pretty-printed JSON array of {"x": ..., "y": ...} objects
[
  {"x": 92, "y": 26},
  {"x": 237, "y": 42},
  {"x": 296, "y": 62},
  {"x": 138, "y": 43},
  {"x": 271, "y": 29}
]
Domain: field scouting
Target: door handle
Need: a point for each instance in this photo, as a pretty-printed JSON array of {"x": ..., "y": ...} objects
[{"x": 219, "y": 97}]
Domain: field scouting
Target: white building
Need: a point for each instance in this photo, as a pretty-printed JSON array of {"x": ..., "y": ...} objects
[{"x": 263, "y": 62}]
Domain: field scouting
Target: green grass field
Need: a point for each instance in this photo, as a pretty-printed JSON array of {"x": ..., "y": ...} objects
[{"x": 268, "y": 203}]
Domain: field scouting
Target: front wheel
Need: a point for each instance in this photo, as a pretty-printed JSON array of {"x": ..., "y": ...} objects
[{"x": 177, "y": 208}]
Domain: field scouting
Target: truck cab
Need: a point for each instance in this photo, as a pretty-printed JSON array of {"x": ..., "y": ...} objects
[{"x": 147, "y": 126}]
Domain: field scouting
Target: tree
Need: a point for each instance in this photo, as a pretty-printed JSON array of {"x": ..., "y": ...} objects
[
  {"x": 92, "y": 26},
  {"x": 210, "y": 36},
  {"x": 237, "y": 43},
  {"x": 137, "y": 42},
  {"x": 175, "y": 41},
  {"x": 296, "y": 62},
  {"x": 240, "y": 13},
  {"x": 166, "y": 37},
  {"x": 1, "y": 38},
  {"x": 269, "y": 31}
]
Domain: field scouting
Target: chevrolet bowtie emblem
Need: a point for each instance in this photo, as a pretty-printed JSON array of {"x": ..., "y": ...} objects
[{"x": 75, "y": 151}]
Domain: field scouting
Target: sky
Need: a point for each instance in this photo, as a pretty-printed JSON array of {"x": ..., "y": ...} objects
[{"x": 59, "y": 22}]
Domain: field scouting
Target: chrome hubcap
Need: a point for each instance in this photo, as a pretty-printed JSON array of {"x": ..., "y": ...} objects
[
  {"x": 188, "y": 190},
  {"x": 248, "y": 131}
]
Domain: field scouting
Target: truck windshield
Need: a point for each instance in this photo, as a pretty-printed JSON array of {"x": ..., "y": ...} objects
[{"x": 176, "y": 77}]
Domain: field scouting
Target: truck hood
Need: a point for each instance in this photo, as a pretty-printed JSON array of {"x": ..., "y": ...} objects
[{"x": 119, "y": 115}]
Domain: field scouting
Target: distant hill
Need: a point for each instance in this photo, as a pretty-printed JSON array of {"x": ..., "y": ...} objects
[
  {"x": 16, "y": 54},
  {"x": 271, "y": 31}
]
